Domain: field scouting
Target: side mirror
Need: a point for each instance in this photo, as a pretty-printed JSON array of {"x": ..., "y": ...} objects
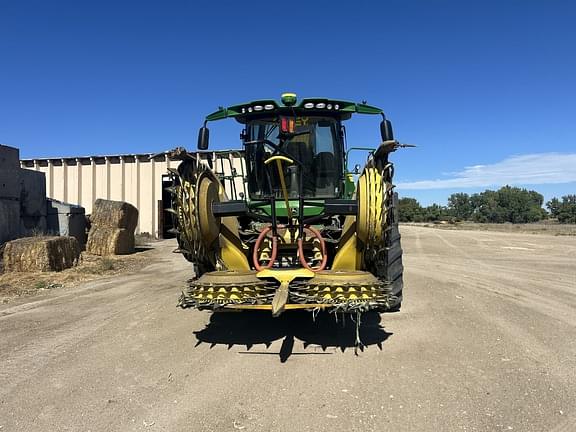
[
  {"x": 386, "y": 130},
  {"x": 203, "y": 137}
]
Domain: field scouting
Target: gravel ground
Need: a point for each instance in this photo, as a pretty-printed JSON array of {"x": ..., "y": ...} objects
[{"x": 485, "y": 341}]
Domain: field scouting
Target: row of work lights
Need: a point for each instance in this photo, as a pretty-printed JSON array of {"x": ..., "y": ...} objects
[
  {"x": 308, "y": 105},
  {"x": 257, "y": 108},
  {"x": 321, "y": 105}
]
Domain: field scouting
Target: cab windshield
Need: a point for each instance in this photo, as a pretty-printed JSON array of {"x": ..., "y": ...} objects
[{"x": 316, "y": 145}]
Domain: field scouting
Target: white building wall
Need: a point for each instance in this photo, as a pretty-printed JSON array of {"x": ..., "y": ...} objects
[{"x": 136, "y": 179}]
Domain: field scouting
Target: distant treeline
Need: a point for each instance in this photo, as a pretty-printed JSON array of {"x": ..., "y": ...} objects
[{"x": 508, "y": 204}]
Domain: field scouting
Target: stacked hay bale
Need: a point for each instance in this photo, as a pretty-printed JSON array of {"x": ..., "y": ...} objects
[
  {"x": 112, "y": 228},
  {"x": 43, "y": 254}
]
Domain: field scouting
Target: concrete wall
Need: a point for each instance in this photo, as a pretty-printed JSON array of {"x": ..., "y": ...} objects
[
  {"x": 9, "y": 194},
  {"x": 135, "y": 178},
  {"x": 9, "y": 220},
  {"x": 22, "y": 197},
  {"x": 32, "y": 202}
]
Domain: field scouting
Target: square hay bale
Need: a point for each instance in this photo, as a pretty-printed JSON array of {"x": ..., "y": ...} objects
[
  {"x": 114, "y": 214},
  {"x": 105, "y": 241},
  {"x": 43, "y": 254}
]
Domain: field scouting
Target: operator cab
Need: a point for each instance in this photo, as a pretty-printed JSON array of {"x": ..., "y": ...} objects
[
  {"x": 313, "y": 142},
  {"x": 295, "y": 149}
]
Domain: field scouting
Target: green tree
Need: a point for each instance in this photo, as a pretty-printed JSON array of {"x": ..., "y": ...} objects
[
  {"x": 410, "y": 210},
  {"x": 508, "y": 204},
  {"x": 567, "y": 209},
  {"x": 460, "y": 206},
  {"x": 486, "y": 207},
  {"x": 435, "y": 212},
  {"x": 520, "y": 205},
  {"x": 554, "y": 207}
]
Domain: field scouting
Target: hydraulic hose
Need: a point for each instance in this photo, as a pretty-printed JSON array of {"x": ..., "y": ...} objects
[
  {"x": 322, "y": 249},
  {"x": 259, "y": 241}
]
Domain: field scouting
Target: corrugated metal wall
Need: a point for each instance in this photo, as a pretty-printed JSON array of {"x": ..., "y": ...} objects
[{"x": 136, "y": 179}]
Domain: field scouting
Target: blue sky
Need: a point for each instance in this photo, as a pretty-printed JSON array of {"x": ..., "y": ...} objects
[{"x": 487, "y": 90}]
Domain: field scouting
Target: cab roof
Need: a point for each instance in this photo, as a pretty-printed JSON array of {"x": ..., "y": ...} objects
[{"x": 319, "y": 106}]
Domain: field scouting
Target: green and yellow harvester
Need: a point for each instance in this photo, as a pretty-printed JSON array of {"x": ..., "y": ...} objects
[{"x": 302, "y": 231}]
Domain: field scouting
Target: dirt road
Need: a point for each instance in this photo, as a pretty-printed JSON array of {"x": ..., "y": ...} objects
[{"x": 486, "y": 341}]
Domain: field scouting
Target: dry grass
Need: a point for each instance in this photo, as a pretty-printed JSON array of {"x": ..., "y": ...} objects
[
  {"x": 90, "y": 267},
  {"x": 547, "y": 227},
  {"x": 107, "y": 264}
]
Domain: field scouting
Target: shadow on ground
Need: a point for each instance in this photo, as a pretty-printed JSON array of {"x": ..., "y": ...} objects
[
  {"x": 142, "y": 248},
  {"x": 251, "y": 328}
]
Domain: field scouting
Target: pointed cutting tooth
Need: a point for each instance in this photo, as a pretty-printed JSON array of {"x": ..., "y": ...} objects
[
  {"x": 173, "y": 231},
  {"x": 171, "y": 210},
  {"x": 173, "y": 170},
  {"x": 171, "y": 189},
  {"x": 280, "y": 299}
]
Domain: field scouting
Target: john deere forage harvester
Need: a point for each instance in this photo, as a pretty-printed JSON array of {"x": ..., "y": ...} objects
[{"x": 302, "y": 232}]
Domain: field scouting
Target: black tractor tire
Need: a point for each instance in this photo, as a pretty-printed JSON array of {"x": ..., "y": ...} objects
[{"x": 394, "y": 267}]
